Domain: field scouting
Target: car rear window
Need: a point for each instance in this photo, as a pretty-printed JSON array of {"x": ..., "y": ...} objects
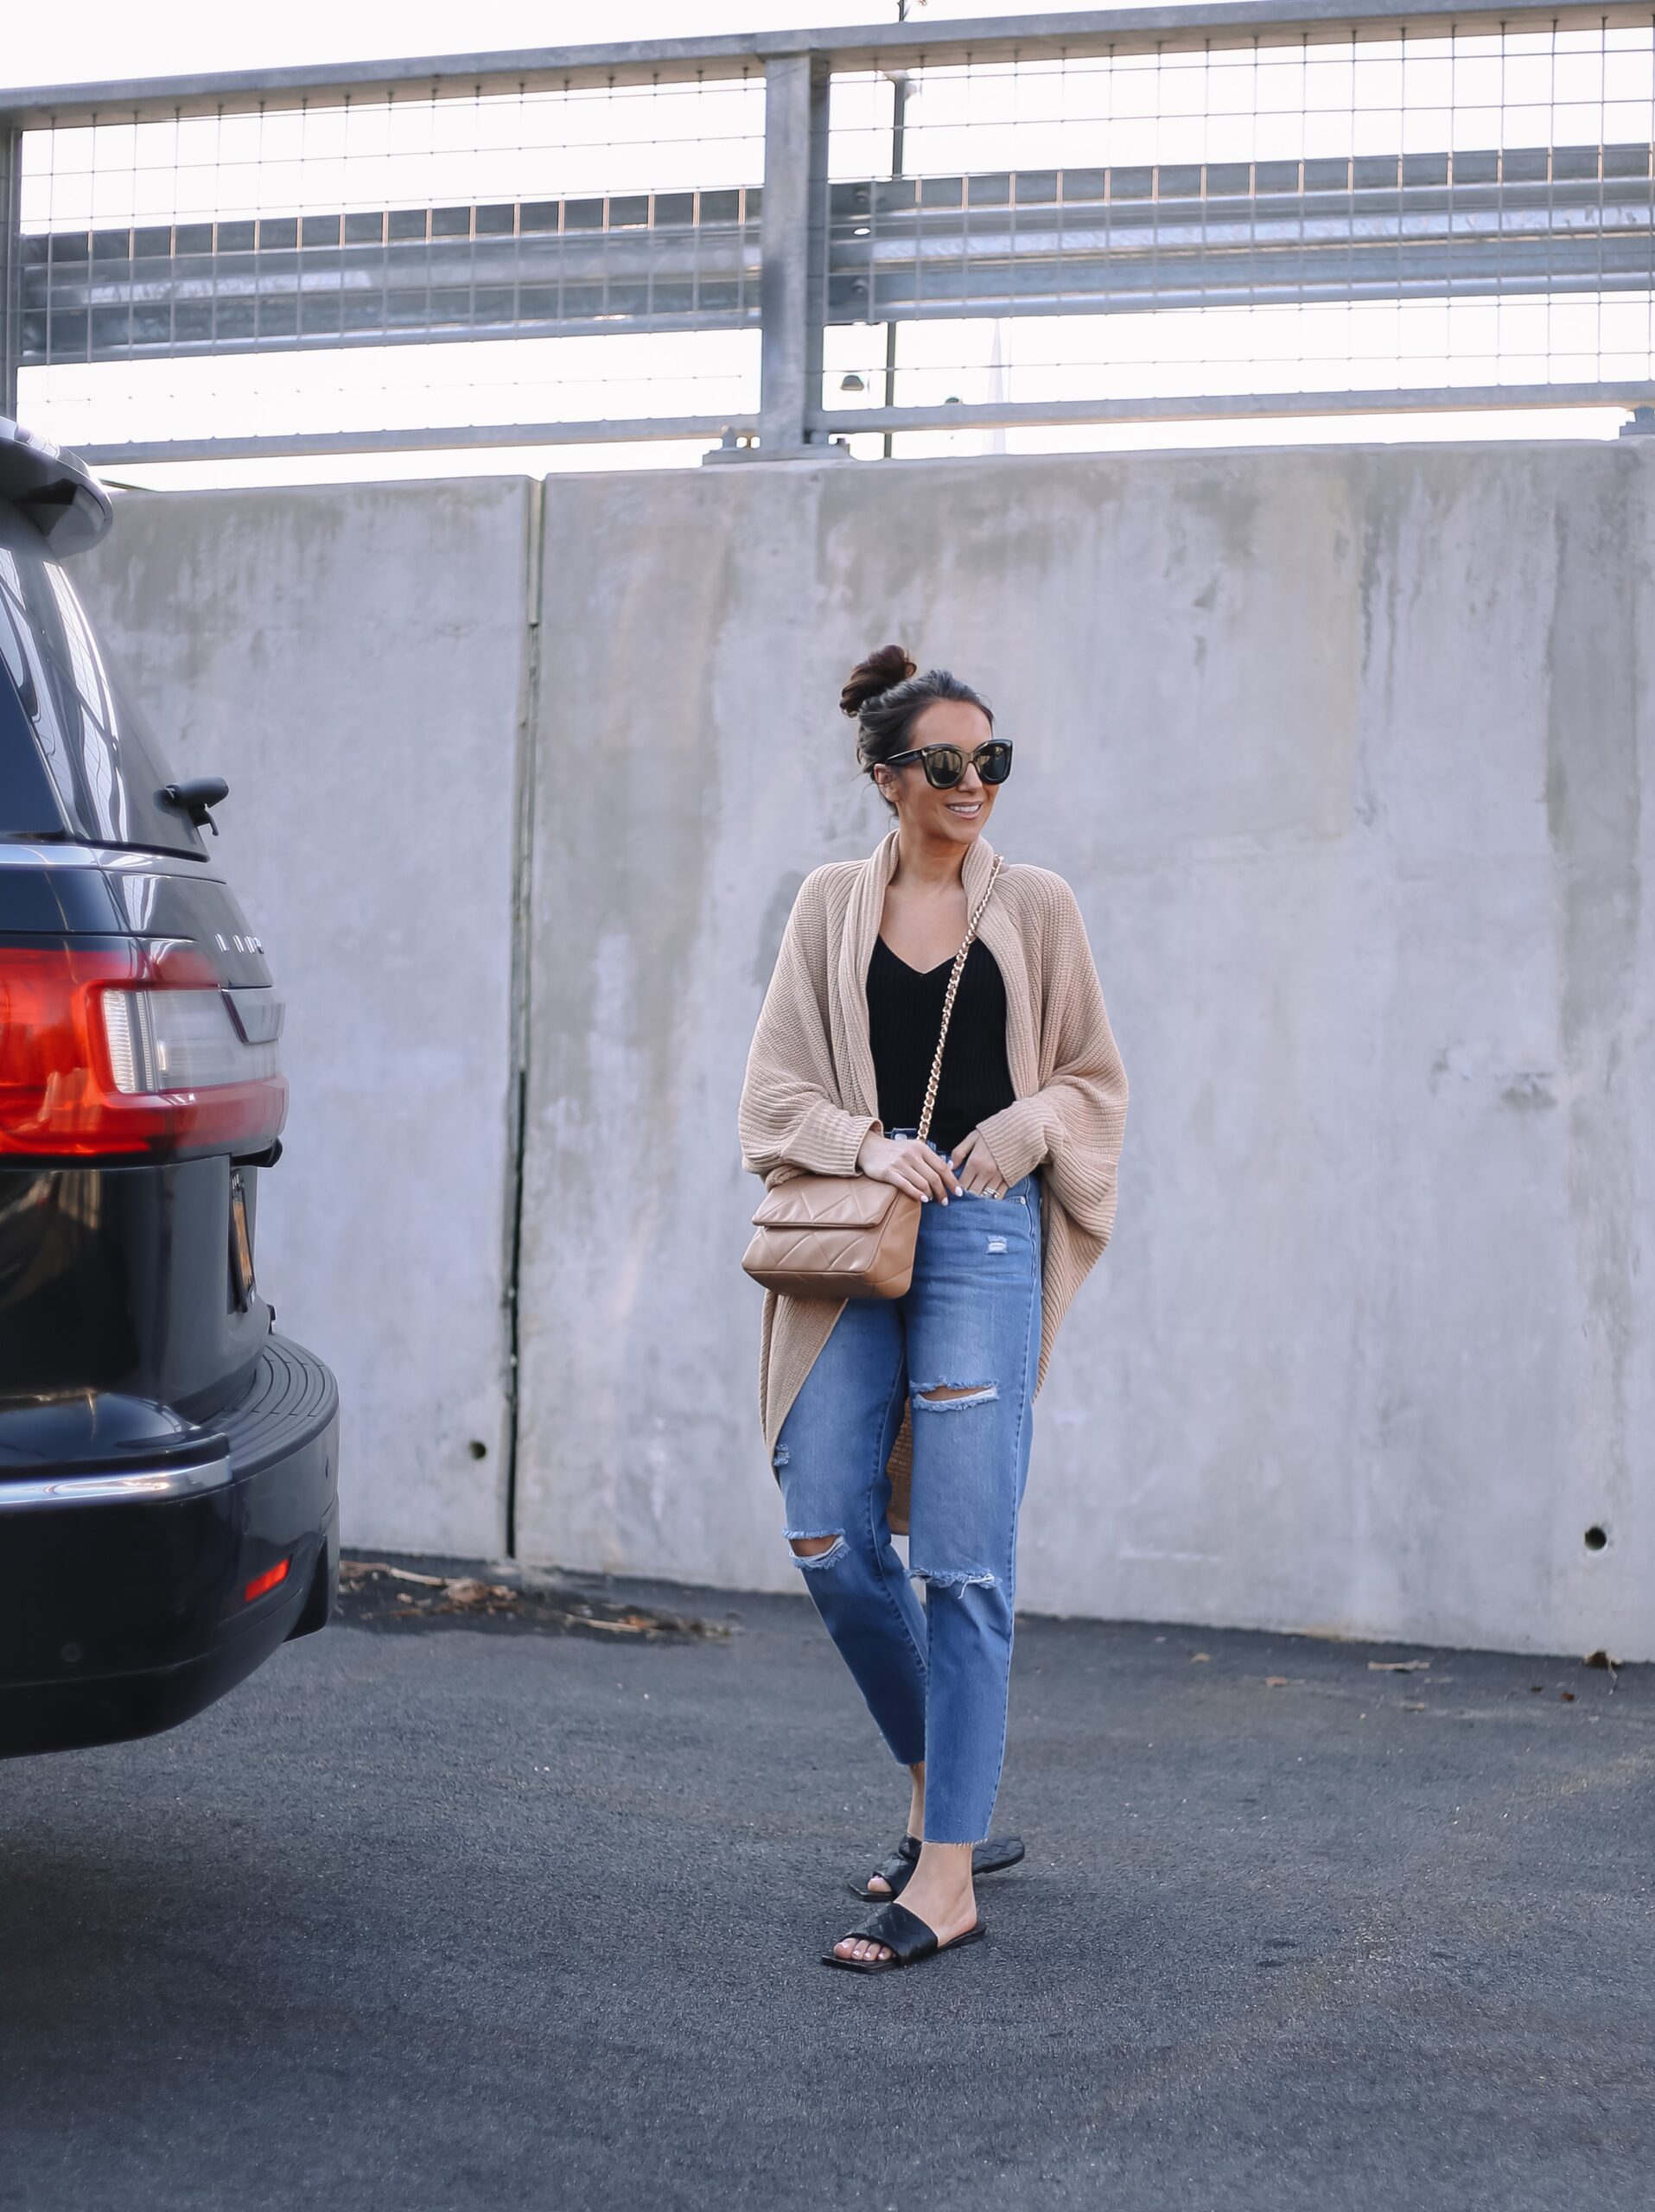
[
  {"x": 104, "y": 766},
  {"x": 28, "y": 806}
]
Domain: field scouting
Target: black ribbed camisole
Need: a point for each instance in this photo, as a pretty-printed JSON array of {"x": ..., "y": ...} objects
[{"x": 904, "y": 1015}]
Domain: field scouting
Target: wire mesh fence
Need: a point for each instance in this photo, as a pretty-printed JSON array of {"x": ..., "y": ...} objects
[
  {"x": 1393, "y": 210},
  {"x": 316, "y": 270},
  {"x": 1089, "y": 219}
]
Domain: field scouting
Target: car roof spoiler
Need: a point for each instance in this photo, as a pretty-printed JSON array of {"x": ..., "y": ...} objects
[{"x": 57, "y": 491}]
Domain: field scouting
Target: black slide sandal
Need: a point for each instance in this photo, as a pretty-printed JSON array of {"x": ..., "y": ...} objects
[
  {"x": 904, "y": 1935},
  {"x": 992, "y": 1857}
]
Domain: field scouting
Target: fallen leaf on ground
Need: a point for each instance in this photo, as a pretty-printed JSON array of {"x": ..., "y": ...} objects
[
  {"x": 1566, "y": 1696},
  {"x": 1281, "y": 1681},
  {"x": 1397, "y": 1666},
  {"x": 373, "y": 1590},
  {"x": 1200, "y": 1658},
  {"x": 352, "y": 1571}
]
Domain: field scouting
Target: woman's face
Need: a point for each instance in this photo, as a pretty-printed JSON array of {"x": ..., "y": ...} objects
[{"x": 946, "y": 818}]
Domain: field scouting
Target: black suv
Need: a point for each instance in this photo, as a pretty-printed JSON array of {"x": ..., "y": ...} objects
[{"x": 168, "y": 1465}]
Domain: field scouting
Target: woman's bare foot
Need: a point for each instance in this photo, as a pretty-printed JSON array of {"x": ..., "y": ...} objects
[
  {"x": 877, "y": 1885},
  {"x": 939, "y": 1892}
]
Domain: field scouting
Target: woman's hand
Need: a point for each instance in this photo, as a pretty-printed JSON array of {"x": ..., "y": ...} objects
[
  {"x": 912, "y": 1167},
  {"x": 975, "y": 1164}
]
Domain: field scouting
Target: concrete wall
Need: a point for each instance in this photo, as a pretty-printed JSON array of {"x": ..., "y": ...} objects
[
  {"x": 1343, "y": 752},
  {"x": 354, "y": 663}
]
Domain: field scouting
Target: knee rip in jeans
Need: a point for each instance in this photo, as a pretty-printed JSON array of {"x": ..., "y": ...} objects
[
  {"x": 810, "y": 1552},
  {"x": 954, "y": 1397},
  {"x": 955, "y": 1578}
]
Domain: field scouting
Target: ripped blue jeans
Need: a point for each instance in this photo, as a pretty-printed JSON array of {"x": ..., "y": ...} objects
[{"x": 935, "y": 1676}]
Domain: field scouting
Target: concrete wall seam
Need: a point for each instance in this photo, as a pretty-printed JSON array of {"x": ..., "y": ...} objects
[{"x": 525, "y": 763}]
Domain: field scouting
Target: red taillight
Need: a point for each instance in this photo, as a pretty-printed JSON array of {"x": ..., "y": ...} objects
[
  {"x": 64, "y": 1093},
  {"x": 261, "y": 1584}
]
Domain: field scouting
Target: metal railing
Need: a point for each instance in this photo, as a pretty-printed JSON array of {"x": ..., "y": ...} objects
[{"x": 1220, "y": 172}]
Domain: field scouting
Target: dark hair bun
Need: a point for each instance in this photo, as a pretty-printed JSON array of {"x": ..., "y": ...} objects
[{"x": 890, "y": 665}]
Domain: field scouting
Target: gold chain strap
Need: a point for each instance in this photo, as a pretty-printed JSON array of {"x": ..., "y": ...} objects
[{"x": 948, "y": 999}]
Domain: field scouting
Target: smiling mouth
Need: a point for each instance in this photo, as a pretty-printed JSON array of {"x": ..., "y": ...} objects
[{"x": 964, "y": 805}]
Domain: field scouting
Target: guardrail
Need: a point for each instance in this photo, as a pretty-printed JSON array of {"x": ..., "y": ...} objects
[{"x": 1432, "y": 183}]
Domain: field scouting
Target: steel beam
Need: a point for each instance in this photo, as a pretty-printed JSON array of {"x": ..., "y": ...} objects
[
  {"x": 1170, "y": 26},
  {"x": 666, "y": 261},
  {"x": 455, "y": 437},
  {"x": 1104, "y": 241},
  {"x": 791, "y": 250},
  {"x": 1028, "y": 243},
  {"x": 849, "y": 421},
  {"x": 11, "y": 268},
  {"x": 1008, "y": 414}
]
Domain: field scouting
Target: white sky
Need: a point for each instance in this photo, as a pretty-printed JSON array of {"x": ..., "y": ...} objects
[
  {"x": 83, "y": 39},
  {"x": 527, "y": 379}
]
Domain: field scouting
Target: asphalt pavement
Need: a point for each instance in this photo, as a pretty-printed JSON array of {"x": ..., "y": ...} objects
[{"x": 473, "y": 1914}]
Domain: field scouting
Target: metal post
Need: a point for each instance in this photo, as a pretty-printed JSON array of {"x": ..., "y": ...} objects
[
  {"x": 899, "y": 126},
  {"x": 816, "y": 261},
  {"x": 793, "y": 244},
  {"x": 11, "y": 266},
  {"x": 899, "y": 122}
]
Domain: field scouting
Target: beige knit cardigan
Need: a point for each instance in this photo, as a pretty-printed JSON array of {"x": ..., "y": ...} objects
[{"x": 809, "y": 1094}]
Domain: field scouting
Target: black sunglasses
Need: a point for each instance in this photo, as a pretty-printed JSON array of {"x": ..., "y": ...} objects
[{"x": 946, "y": 764}]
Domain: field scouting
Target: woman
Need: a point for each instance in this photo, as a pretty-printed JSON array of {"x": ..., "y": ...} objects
[{"x": 1018, "y": 1186}]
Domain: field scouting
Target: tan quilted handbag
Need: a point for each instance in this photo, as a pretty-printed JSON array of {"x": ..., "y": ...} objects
[{"x": 847, "y": 1236}]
